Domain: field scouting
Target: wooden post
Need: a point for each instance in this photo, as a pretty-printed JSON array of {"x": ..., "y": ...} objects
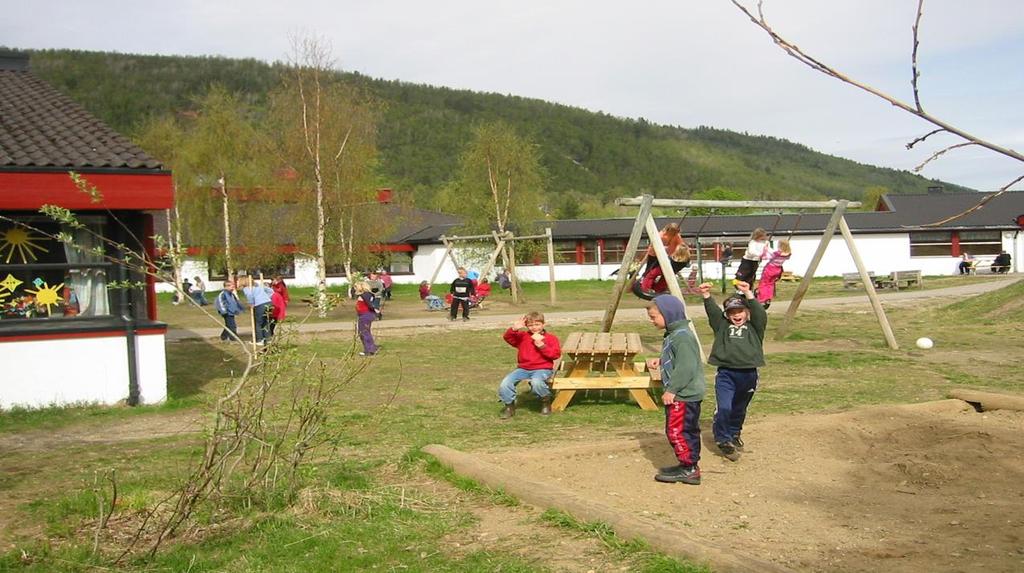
[
  {"x": 500, "y": 242},
  {"x": 805, "y": 283},
  {"x": 869, "y": 285},
  {"x": 627, "y": 260},
  {"x": 654, "y": 236},
  {"x": 551, "y": 263},
  {"x": 447, "y": 250},
  {"x": 510, "y": 266}
]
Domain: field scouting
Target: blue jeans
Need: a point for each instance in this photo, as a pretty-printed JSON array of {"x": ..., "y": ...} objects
[
  {"x": 538, "y": 383},
  {"x": 734, "y": 388}
]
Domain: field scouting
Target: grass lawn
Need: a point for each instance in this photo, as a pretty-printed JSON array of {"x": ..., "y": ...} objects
[
  {"x": 571, "y": 295},
  {"x": 373, "y": 502}
]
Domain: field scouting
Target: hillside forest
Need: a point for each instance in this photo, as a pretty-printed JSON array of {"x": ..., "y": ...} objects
[{"x": 588, "y": 159}]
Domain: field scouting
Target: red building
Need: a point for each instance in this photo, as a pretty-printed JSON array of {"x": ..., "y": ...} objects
[{"x": 66, "y": 336}]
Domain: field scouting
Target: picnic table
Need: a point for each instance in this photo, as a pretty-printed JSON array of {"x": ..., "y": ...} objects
[{"x": 601, "y": 361}]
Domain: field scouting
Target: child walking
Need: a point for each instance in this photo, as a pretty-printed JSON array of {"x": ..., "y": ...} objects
[
  {"x": 771, "y": 273},
  {"x": 461, "y": 291},
  {"x": 753, "y": 255},
  {"x": 537, "y": 351},
  {"x": 738, "y": 351},
  {"x": 367, "y": 313},
  {"x": 682, "y": 375}
]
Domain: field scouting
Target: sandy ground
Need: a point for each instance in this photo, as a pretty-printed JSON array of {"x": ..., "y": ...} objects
[{"x": 927, "y": 487}]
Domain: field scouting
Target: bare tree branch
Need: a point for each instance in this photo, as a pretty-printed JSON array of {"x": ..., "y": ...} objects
[
  {"x": 924, "y": 137},
  {"x": 941, "y": 152},
  {"x": 815, "y": 64},
  {"x": 913, "y": 58},
  {"x": 978, "y": 206},
  {"x": 794, "y": 51}
]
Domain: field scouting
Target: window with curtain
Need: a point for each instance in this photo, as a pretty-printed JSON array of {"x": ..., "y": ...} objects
[{"x": 44, "y": 278}]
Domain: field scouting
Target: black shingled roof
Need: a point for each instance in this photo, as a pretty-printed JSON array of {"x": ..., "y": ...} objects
[
  {"x": 42, "y": 129},
  {"x": 904, "y": 213}
]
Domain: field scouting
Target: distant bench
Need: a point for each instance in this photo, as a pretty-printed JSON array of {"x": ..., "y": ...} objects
[
  {"x": 897, "y": 279},
  {"x": 851, "y": 280}
]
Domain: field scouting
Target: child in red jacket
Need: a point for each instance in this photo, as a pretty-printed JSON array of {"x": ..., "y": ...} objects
[{"x": 538, "y": 350}]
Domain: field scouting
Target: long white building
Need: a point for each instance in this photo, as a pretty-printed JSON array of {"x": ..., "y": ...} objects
[{"x": 899, "y": 235}]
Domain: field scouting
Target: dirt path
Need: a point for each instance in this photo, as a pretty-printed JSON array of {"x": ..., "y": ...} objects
[{"x": 928, "y": 487}]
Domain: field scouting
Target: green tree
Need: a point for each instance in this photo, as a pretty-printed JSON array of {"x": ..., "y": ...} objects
[
  {"x": 500, "y": 182},
  {"x": 326, "y": 134},
  {"x": 164, "y": 139},
  {"x": 220, "y": 162}
]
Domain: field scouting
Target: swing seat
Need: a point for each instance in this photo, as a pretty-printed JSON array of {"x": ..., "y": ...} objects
[{"x": 640, "y": 293}]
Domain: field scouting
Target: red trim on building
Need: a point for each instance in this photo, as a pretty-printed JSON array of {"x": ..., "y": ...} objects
[
  {"x": 955, "y": 247},
  {"x": 392, "y": 248},
  {"x": 22, "y": 191},
  {"x": 117, "y": 333},
  {"x": 580, "y": 255}
]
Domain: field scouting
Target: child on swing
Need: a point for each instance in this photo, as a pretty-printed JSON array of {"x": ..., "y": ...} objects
[
  {"x": 771, "y": 273},
  {"x": 670, "y": 238},
  {"x": 654, "y": 281},
  {"x": 752, "y": 257}
]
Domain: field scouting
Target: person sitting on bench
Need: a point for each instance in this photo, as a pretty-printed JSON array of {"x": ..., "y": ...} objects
[{"x": 1001, "y": 264}]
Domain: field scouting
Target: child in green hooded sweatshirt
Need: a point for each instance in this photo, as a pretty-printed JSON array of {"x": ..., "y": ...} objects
[
  {"x": 682, "y": 375},
  {"x": 738, "y": 352}
]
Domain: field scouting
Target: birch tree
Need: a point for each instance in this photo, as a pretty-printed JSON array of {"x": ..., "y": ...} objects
[{"x": 326, "y": 133}]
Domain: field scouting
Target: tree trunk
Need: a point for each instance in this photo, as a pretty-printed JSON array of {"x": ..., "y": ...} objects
[{"x": 227, "y": 228}]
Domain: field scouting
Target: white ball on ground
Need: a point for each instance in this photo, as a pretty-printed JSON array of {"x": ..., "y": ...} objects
[{"x": 925, "y": 343}]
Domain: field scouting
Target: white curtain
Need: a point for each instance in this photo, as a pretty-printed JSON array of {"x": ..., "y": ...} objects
[{"x": 88, "y": 285}]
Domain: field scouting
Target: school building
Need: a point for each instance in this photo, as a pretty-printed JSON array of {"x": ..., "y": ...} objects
[
  {"x": 904, "y": 232},
  {"x": 77, "y": 325}
]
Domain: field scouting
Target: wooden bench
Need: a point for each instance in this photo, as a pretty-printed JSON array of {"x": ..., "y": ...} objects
[
  {"x": 789, "y": 277},
  {"x": 851, "y": 280},
  {"x": 905, "y": 279},
  {"x": 601, "y": 361}
]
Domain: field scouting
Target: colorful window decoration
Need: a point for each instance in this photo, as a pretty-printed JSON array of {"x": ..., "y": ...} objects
[
  {"x": 44, "y": 278},
  {"x": 20, "y": 241}
]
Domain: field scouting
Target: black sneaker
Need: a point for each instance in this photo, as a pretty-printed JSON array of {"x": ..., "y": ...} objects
[
  {"x": 671, "y": 469},
  {"x": 729, "y": 451},
  {"x": 738, "y": 443},
  {"x": 680, "y": 474}
]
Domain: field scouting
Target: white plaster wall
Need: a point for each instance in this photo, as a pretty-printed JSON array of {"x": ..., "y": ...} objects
[
  {"x": 151, "y": 367},
  {"x": 41, "y": 373},
  {"x": 881, "y": 253},
  {"x": 44, "y": 373}
]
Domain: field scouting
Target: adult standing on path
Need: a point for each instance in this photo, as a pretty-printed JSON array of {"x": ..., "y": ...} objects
[{"x": 258, "y": 297}]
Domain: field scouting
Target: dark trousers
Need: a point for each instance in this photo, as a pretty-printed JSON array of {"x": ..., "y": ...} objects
[
  {"x": 747, "y": 271},
  {"x": 465, "y": 307},
  {"x": 262, "y": 320},
  {"x": 682, "y": 428},
  {"x": 734, "y": 388},
  {"x": 229, "y": 325}
]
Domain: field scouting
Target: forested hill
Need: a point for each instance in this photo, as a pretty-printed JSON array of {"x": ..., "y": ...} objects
[{"x": 587, "y": 155}]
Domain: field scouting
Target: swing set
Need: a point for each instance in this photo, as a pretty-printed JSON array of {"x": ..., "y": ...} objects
[
  {"x": 645, "y": 223},
  {"x": 505, "y": 248}
]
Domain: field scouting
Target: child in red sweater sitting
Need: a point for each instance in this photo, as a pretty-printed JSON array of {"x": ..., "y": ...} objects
[{"x": 538, "y": 350}]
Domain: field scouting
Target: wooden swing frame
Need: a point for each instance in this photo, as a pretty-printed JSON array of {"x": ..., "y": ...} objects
[
  {"x": 645, "y": 222},
  {"x": 505, "y": 248}
]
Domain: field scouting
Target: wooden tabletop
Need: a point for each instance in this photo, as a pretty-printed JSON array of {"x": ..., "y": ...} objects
[{"x": 612, "y": 343}]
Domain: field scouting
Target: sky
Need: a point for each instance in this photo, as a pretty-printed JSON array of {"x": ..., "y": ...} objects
[{"x": 684, "y": 62}]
